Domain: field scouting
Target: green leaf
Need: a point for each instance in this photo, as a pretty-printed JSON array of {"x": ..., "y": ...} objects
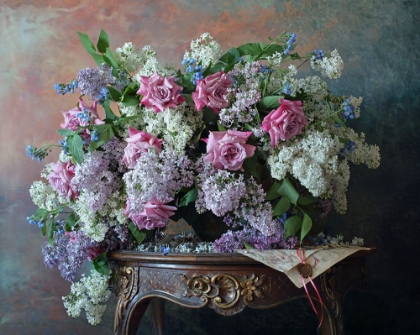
[
  {"x": 306, "y": 200},
  {"x": 292, "y": 225},
  {"x": 100, "y": 264},
  {"x": 269, "y": 103},
  {"x": 108, "y": 111},
  {"x": 51, "y": 232},
  {"x": 133, "y": 87},
  {"x": 42, "y": 213},
  {"x": 99, "y": 59},
  {"x": 103, "y": 42},
  {"x": 188, "y": 99},
  {"x": 247, "y": 245},
  {"x": 281, "y": 207},
  {"x": 130, "y": 100},
  {"x": 44, "y": 229},
  {"x": 75, "y": 144},
  {"x": 110, "y": 60},
  {"x": 87, "y": 43},
  {"x": 114, "y": 93},
  {"x": 227, "y": 61},
  {"x": 189, "y": 197},
  {"x": 288, "y": 190},
  {"x": 71, "y": 222},
  {"x": 306, "y": 226},
  {"x": 250, "y": 49},
  {"x": 65, "y": 132},
  {"x": 105, "y": 133},
  {"x": 139, "y": 235},
  {"x": 272, "y": 192}
]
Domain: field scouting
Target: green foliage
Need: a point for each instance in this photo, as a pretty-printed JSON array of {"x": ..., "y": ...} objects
[
  {"x": 103, "y": 42},
  {"x": 75, "y": 144},
  {"x": 282, "y": 206},
  {"x": 87, "y": 43},
  {"x": 138, "y": 234},
  {"x": 105, "y": 133},
  {"x": 101, "y": 265},
  {"x": 292, "y": 225},
  {"x": 190, "y": 196},
  {"x": 269, "y": 103}
]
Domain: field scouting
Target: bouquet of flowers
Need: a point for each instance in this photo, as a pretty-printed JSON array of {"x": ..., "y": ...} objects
[{"x": 237, "y": 135}]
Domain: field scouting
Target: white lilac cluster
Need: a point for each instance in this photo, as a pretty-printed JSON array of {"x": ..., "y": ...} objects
[
  {"x": 176, "y": 126},
  {"x": 129, "y": 57},
  {"x": 157, "y": 176},
  {"x": 312, "y": 160},
  {"x": 89, "y": 294},
  {"x": 91, "y": 224},
  {"x": 330, "y": 67},
  {"x": 150, "y": 65},
  {"x": 44, "y": 196},
  {"x": 205, "y": 50}
]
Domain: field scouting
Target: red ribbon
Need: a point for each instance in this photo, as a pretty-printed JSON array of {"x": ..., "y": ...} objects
[{"x": 301, "y": 257}]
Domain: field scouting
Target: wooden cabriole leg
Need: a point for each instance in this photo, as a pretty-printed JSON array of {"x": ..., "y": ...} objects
[{"x": 158, "y": 316}]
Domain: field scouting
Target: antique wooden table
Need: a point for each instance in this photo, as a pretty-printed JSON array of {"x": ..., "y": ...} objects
[{"x": 227, "y": 283}]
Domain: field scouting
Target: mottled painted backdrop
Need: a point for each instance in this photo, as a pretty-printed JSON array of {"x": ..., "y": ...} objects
[{"x": 379, "y": 42}]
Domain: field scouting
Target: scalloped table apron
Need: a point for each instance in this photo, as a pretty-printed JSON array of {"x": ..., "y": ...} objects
[{"x": 227, "y": 283}]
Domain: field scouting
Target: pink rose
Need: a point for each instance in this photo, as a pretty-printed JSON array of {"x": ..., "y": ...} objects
[
  {"x": 228, "y": 149},
  {"x": 139, "y": 142},
  {"x": 160, "y": 92},
  {"x": 60, "y": 179},
  {"x": 285, "y": 122},
  {"x": 211, "y": 92},
  {"x": 155, "y": 214},
  {"x": 81, "y": 116}
]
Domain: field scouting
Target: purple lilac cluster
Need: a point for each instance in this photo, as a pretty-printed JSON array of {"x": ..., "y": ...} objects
[
  {"x": 159, "y": 176},
  {"x": 70, "y": 250},
  {"x": 247, "y": 80},
  {"x": 256, "y": 211},
  {"x": 233, "y": 240},
  {"x": 94, "y": 178},
  {"x": 219, "y": 190},
  {"x": 93, "y": 81}
]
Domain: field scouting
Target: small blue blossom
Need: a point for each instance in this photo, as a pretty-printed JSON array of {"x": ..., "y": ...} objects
[
  {"x": 94, "y": 136},
  {"x": 165, "y": 250},
  {"x": 63, "y": 88},
  {"x": 318, "y": 53},
  {"x": 290, "y": 42},
  {"x": 84, "y": 116},
  {"x": 348, "y": 110},
  {"x": 35, "y": 153},
  {"x": 64, "y": 146},
  {"x": 287, "y": 90},
  {"x": 348, "y": 148},
  {"x": 103, "y": 95}
]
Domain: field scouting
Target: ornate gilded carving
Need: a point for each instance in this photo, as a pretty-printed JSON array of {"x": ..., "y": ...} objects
[
  {"x": 128, "y": 287},
  {"x": 223, "y": 291},
  {"x": 249, "y": 287}
]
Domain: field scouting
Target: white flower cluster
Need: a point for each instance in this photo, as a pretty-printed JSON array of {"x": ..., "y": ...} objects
[
  {"x": 88, "y": 294},
  {"x": 44, "y": 196},
  {"x": 311, "y": 159},
  {"x": 150, "y": 65},
  {"x": 330, "y": 67},
  {"x": 205, "y": 50},
  {"x": 129, "y": 57},
  {"x": 90, "y": 223},
  {"x": 176, "y": 126}
]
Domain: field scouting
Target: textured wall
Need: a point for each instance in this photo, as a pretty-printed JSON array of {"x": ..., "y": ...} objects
[{"x": 379, "y": 42}]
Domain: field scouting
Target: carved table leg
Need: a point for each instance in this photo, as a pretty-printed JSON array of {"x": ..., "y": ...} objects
[{"x": 158, "y": 316}]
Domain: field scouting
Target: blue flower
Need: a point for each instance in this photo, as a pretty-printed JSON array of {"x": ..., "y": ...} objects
[{"x": 318, "y": 53}]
